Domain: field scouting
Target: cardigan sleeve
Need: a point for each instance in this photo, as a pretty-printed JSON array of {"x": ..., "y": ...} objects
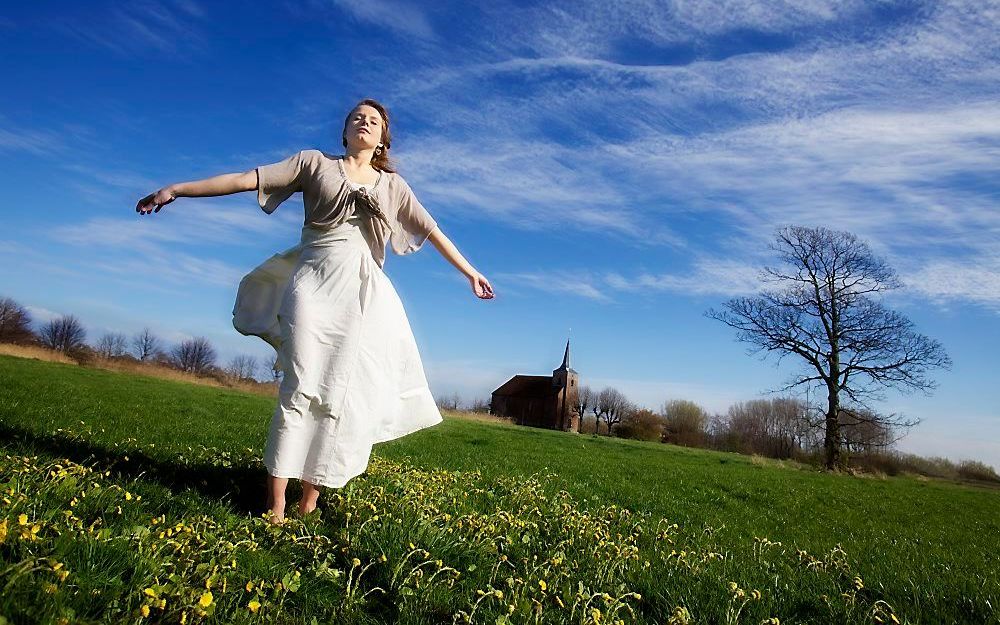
[
  {"x": 278, "y": 181},
  {"x": 416, "y": 224}
]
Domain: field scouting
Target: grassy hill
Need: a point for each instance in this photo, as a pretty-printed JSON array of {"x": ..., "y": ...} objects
[{"x": 132, "y": 498}]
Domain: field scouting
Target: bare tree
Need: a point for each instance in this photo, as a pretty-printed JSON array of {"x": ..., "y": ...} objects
[
  {"x": 145, "y": 345},
  {"x": 194, "y": 355},
  {"x": 15, "y": 322},
  {"x": 65, "y": 334},
  {"x": 823, "y": 309},
  {"x": 111, "y": 345},
  {"x": 610, "y": 405},
  {"x": 242, "y": 367},
  {"x": 585, "y": 398},
  {"x": 863, "y": 431},
  {"x": 480, "y": 405},
  {"x": 449, "y": 402},
  {"x": 772, "y": 427}
]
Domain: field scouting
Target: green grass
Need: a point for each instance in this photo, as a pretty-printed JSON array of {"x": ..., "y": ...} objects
[{"x": 928, "y": 550}]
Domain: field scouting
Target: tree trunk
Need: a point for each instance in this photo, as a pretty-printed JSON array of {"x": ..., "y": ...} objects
[{"x": 831, "y": 442}]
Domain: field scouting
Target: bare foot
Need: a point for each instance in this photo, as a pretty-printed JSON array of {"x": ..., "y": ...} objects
[{"x": 305, "y": 509}]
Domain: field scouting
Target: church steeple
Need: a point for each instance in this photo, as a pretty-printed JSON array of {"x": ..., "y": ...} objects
[{"x": 565, "y": 363}]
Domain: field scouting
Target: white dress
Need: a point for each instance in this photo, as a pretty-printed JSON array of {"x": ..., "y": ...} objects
[{"x": 352, "y": 373}]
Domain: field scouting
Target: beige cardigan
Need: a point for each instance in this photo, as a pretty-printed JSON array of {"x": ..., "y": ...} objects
[{"x": 329, "y": 201}]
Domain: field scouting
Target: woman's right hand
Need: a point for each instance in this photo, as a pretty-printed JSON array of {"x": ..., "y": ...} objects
[{"x": 153, "y": 202}]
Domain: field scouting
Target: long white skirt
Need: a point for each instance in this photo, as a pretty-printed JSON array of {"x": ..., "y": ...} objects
[{"x": 352, "y": 373}]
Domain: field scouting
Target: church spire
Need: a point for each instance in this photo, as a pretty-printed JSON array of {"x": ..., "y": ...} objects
[{"x": 565, "y": 363}]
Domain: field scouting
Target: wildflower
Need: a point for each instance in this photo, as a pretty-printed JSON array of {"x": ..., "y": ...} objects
[
  {"x": 3, "y": 531},
  {"x": 150, "y": 592},
  {"x": 206, "y": 599},
  {"x": 355, "y": 562},
  {"x": 144, "y": 611},
  {"x": 249, "y": 586},
  {"x": 498, "y": 594},
  {"x": 253, "y": 606},
  {"x": 22, "y": 519},
  {"x": 541, "y": 584}
]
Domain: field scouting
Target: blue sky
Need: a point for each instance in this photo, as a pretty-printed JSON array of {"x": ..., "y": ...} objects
[{"x": 614, "y": 168}]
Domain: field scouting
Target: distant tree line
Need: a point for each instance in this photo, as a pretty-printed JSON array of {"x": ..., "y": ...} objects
[{"x": 67, "y": 334}]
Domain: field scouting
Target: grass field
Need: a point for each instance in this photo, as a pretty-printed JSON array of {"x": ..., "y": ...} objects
[{"x": 132, "y": 499}]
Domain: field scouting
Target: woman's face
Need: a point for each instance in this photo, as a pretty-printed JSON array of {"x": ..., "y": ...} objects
[{"x": 364, "y": 128}]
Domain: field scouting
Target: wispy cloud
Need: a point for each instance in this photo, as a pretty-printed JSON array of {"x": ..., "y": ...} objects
[
  {"x": 38, "y": 142},
  {"x": 146, "y": 25},
  {"x": 407, "y": 19}
]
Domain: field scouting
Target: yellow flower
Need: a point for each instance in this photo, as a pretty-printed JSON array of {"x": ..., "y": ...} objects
[
  {"x": 498, "y": 594},
  {"x": 149, "y": 592},
  {"x": 3, "y": 530},
  {"x": 206, "y": 599},
  {"x": 144, "y": 611},
  {"x": 355, "y": 562},
  {"x": 22, "y": 519},
  {"x": 249, "y": 586},
  {"x": 541, "y": 584},
  {"x": 253, "y": 606}
]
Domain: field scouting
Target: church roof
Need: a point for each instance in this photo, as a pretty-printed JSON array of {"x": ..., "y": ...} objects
[{"x": 531, "y": 385}]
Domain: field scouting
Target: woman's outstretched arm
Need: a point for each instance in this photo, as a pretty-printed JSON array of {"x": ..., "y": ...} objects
[
  {"x": 223, "y": 184},
  {"x": 480, "y": 285}
]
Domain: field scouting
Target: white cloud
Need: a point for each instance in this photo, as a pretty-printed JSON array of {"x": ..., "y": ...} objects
[
  {"x": 141, "y": 26},
  {"x": 401, "y": 17}
]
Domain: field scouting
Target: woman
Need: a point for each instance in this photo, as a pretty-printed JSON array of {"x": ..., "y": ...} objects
[{"x": 352, "y": 373}]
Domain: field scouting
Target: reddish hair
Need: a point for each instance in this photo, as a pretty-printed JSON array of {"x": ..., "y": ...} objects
[{"x": 380, "y": 160}]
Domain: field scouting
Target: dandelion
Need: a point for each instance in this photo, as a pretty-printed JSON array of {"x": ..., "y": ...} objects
[
  {"x": 541, "y": 584},
  {"x": 249, "y": 586},
  {"x": 355, "y": 562},
  {"x": 144, "y": 611},
  {"x": 22, "y": 519},
  {"x": 206, "y": 599},
  {"x": 253, "y": 606}
]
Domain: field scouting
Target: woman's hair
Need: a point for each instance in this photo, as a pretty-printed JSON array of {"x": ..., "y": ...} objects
[{"x": 380, "y": 160}]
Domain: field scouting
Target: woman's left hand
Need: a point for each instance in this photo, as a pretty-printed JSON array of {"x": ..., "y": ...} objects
[{"x": 481, "y": 286}]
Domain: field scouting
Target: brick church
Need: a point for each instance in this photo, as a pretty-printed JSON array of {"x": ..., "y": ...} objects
[{"x": 540, "y": 400}]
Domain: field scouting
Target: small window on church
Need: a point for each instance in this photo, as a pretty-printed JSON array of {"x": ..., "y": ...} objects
[{"x": 572, "y": 382}]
